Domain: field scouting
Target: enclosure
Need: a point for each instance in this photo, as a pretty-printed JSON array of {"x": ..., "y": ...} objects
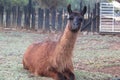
[
  {"x": 95, "y": 56},
  {"x": 109, "y": 17}
]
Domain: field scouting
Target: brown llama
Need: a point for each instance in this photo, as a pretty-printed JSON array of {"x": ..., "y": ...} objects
[{"x": 54, "y": 59}]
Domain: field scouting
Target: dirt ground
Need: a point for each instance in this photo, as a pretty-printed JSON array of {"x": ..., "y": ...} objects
[{"x": 112, "y": 69}]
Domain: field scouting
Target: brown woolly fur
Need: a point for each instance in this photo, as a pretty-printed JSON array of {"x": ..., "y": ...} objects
[
  {"x": 63, "y": 51},
  {"x": 54, "y": 59}
]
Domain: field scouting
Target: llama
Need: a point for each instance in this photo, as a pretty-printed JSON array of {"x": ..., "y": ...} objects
[{"x": 54, "y": 59}]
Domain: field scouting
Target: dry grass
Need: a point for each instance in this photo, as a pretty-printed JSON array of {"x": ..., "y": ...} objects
[{"x": 93, "y": 51}]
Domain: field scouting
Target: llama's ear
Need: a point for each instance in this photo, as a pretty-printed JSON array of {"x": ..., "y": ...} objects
[
  {"x": 69, "y": 9},
  {"x": 84, "y": 11}
]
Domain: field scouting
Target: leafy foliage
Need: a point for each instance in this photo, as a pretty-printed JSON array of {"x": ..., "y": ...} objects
[
  {"x": 9, "y": 3},
  {"x": 63, "y": 3},
  {"x": 51, "y": 3},
  {"x": 58, "y": 3}
]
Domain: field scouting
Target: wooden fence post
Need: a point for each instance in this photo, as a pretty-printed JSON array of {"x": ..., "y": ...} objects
[
  {"x": 94, "y": 20},
  {"x": 47, "y": 17},
  {"x": 92, "y": 24},
  {"x": 19, "y": 17},
  {"x": 65, "y": 19},
  {"x": 14, "y": 15},
  {"x": 27, "y": 11},
  {"x": 95, "y": 14},
  {"x": 98, "y": 17},
  {"x": 8, "y": 17},
  {"x": 1, "y": 15},
  {"x": 60, "y": 12},
  {"x": 89, "y": 18},
  {"x": 88, "y": 11},
  {"x": 27, "y": 18},
  {"x": 40, "y": 18},
  {"x": 53, "y": 18},
  {"x": 33, "y": 18}
]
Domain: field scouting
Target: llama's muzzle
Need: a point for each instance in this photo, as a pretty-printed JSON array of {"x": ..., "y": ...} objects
[{"x": 76, "y": 23}]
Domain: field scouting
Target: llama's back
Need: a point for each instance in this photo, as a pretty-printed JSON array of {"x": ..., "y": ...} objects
[{"x": 36, "y": 57}]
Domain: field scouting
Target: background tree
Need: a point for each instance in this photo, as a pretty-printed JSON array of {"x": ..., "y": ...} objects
[
  {"x": 51, "y": 3},
  {"x": 63, "y": 3},
  {"x": 11, "y": 3}
]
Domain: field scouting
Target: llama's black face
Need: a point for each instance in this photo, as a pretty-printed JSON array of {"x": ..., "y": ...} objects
[{"x": 75, "y": 18}]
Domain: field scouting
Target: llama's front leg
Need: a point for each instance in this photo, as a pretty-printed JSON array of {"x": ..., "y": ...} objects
[
  {"x": 56, "y": 75},
  {"x": 61, "y": 76},
  {"x": 69, "y": 74}
]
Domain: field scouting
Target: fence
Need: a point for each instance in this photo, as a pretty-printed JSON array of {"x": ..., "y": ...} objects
[
  {"x": 38, "y": 19},
  {"x": 45, "y": 19}
]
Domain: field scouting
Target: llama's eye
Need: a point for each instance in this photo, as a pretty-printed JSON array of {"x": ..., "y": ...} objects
[{"x": 80, "y": 19}]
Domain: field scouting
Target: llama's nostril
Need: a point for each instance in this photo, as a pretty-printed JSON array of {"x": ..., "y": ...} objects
[{"x": 76, "y": 24}]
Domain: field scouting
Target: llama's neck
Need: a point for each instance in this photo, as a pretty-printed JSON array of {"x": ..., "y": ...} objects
[
  {"x": 66, "y": 43},
  {"x": 63, "y": 51}
]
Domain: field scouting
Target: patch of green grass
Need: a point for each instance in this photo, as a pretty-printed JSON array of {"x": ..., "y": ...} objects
[
  {"x": 13, "y": 44},
  {"x": 94, "y": 51},
  {"x": 84, "y": 75}
]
